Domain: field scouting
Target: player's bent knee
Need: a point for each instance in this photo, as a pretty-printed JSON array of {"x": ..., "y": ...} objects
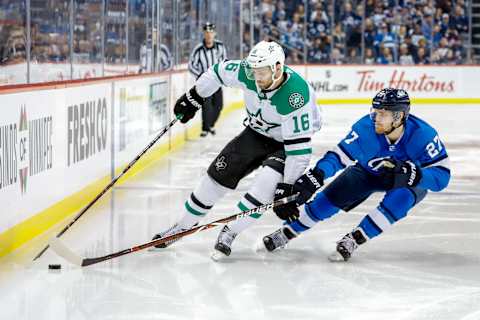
[
  {"x": 398, "y": 202},
  {"x": 264, "y": 184},
  {"x": 320, "y": 208}
]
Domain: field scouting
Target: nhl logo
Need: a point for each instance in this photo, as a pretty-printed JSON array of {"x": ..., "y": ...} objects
[
  {"x": 220, "y": 164},
  {"x": 296, "y": 100}
]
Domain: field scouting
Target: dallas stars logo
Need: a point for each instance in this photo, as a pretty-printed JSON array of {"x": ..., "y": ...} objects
[
  {"x": 257, "y": 122},
  {"x": 296, "y": 100}
]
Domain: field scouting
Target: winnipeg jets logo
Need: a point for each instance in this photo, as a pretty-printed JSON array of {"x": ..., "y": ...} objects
[
  {"x": 401, "y": 93},
  {"x": 220, "y": 164},
  {"x": 296, "y": 100}
]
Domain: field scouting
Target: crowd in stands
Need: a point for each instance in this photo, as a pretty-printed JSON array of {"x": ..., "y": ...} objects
[
  {"x": 401, "y": 32},
  {"x": 50, "y": 31}
]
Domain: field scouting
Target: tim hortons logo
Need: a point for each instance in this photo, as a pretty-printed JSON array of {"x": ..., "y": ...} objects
[{"x": 399, "y": 79}]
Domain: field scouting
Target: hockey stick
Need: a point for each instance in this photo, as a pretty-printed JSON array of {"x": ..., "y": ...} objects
[
  {"x": 88, "y": 206},
  {"x": 63, "y": 251}
]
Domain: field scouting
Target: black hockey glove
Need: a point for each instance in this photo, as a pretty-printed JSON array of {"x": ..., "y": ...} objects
[
  {"x": 187, "y": 105},
  {"x": 401, "y": 174},
  {"x": 287, "y": 211},
  {"x": 309, "y": 183}
]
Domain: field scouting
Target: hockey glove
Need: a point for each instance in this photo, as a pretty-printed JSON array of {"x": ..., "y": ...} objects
[
  {"x": 288, "y": 211},
  {"x": 309, "y": 183},
  {"x": 401, "y": 174},
  {"x": 187, "y": 105}
]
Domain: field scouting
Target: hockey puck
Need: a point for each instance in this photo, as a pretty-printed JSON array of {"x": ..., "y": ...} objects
[{"x": 54, "y": 266}]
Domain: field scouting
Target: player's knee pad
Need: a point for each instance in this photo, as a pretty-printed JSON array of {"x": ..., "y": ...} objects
[
  {"x": 418, "y": 193},
  {"x": 397, "y": 202},
  {"x": 320, "y": 208},
  {"x": 209, "y": 191},
  {"x": 264, "y": 184}
]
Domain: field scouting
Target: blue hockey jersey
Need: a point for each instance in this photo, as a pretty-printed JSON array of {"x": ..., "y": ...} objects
[{"x": 419, "y": 143}]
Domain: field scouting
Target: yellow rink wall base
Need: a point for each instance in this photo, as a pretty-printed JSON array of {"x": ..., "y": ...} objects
[{"x": 41, "y": 222}]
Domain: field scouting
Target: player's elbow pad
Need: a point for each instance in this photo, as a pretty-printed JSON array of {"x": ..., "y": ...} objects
[{"x": 435, "y": 178}]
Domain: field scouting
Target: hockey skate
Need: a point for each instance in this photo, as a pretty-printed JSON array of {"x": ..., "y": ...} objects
[
  {"x": 223, "y": 247},
  {"x": 170, "y": 231},
  {"x": 347, "y": 245},
  {"x": 278, "y": 239}
]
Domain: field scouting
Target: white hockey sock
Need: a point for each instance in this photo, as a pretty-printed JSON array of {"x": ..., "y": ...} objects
[
  {"x": 261, "y": 192},
  {"x": 201, "y": 200}
]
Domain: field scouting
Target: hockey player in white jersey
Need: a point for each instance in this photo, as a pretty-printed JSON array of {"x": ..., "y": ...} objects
[{"x": 282, "y": 117}]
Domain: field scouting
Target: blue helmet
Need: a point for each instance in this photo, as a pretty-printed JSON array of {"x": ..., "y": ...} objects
[{"x": 393, "y": 100}]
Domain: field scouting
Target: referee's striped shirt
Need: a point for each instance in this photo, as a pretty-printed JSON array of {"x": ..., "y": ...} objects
[{"x": 202, "y": 57}]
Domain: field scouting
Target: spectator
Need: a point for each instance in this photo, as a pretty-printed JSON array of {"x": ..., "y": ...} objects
[
  {"x": 402, "y": 34},
  {"x": 422, "y": 43},
  {"x": 339, "y": 38},
  {"x": 369, "y": 56},
  {"x": 386, "y": 56},
  {"x": 405, "y": 57},
  {"x": 437, "y": 35},
  {"x": 336, "y": 57},
  {"x": 318, "y": 26},
  {"x": 422, "y": 57},
  {"x": 445, "y": 23},
  {"x": 442, "y": 53},
  {"x": 350, "y": 20},
  {"x": 378, "y": 17},
  {"x": 460, "y": 20},
  {"x": 353, "y": 56},
  {"x": 384, "y": 38},
  {"x": 427, "y": 26}
]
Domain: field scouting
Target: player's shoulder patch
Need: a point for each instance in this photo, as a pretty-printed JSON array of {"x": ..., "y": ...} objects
[{"x": 293, "y": 95}]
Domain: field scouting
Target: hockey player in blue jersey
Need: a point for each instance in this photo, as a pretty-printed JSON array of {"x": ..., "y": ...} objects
[{"x": 388, "y": 151}]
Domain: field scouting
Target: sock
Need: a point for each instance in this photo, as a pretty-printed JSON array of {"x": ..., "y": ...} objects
[
  {"x": 201, "y": 200},
  {"x": 261, "y": 192}
]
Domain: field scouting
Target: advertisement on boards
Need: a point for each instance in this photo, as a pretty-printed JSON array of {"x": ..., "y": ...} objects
[
  {"x": 53, "y": 143},
  {"x": 344, "y": 82}
]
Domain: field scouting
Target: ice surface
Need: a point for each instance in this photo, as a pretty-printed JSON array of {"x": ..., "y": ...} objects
[{"x": 426, "y": 267}]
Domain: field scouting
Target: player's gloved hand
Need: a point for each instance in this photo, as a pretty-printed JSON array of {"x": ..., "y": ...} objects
[
  {"x": 187, "y": 105},
  {"x": 309, "y": 183},
  {"x": 401, "y": 174},
  {"x": 288, "y": 211}
]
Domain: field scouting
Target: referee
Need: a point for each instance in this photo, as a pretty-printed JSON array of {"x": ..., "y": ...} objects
[{"x": 205, "y": 55}]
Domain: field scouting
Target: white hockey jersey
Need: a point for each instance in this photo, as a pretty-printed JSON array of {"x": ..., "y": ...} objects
[{"x": 288, "y": 114}]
